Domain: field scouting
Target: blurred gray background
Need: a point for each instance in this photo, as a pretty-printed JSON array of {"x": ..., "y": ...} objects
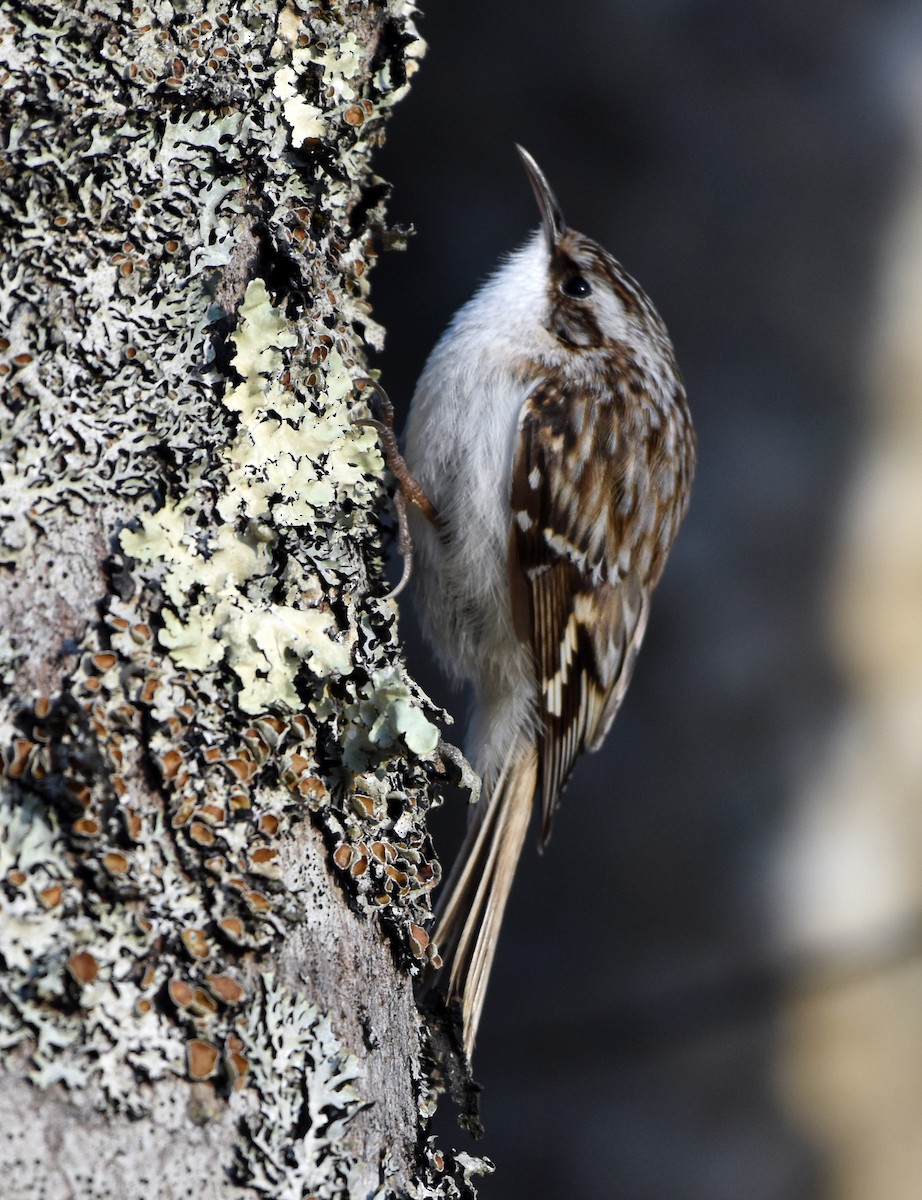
[{"x": 708, "y": 988}]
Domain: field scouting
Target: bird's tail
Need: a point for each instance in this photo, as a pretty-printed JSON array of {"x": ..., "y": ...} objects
[{"x": 471, "y": 909}]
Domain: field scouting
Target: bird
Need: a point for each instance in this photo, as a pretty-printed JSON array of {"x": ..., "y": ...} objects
[{"x": 551, "y": 449}]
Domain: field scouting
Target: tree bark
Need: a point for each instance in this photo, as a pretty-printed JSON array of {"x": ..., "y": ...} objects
[{"x": 214, "y": 866}]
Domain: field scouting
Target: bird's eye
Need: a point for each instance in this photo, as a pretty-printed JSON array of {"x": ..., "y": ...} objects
[{"x": 576, "y": 287}]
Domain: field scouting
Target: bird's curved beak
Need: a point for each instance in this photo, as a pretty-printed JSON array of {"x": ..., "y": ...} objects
[{"x": 551, "y": 217}]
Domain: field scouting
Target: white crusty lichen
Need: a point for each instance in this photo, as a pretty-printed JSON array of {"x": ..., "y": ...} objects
[
  {"x": 187, "y": 228},
  {"x": 303, "y": 1080}
]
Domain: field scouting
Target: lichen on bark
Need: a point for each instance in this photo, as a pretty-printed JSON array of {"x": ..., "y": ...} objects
[{"x": 195, "y": 653}]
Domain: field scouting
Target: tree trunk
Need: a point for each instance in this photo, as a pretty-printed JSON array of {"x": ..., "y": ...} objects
[{"x": 202, "y": 991}]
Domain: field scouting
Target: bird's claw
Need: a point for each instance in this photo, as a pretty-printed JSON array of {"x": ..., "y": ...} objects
[{"x": 408, "y": 489}]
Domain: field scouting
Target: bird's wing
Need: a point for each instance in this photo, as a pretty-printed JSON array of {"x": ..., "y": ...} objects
[{"x": 579, "y": 578}]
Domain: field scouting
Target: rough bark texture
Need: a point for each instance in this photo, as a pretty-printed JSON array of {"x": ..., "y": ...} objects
[{"x": 204, "y": 989}]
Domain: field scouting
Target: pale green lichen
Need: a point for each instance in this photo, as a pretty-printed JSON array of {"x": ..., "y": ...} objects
[
  {"x": 306, "y": 120},
  {"x": 386, "y": 715},
  {"x": 280, "y": 449}
]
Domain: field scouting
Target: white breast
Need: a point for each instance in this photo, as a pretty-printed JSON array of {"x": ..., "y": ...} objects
[{"x": 460, "y": 444}]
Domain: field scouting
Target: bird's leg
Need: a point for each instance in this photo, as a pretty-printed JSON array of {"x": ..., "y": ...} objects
[{"x": 409, "y": 490}]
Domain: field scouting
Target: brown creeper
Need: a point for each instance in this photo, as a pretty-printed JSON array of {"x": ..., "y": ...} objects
[{"x": 550, "y": 431}]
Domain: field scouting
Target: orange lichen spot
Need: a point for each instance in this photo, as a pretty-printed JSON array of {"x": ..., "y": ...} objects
[
  {"x": 86, "y": 827},
  {"x": 150, "y": 690},
  {"x": 202, "y": 1004},
  {"x": 172, "y": 246},
  {"x": 170, "y": 763},
  {"x": 115, "y": 862},
  {"x": 269, "y": 725},
  {"x": 237, "y": 883},
  {"x": 214, "y": 814},
  {"x": 196, "y": 942},
  {"x": 298, "y": 764},
  {"x": 237, "y": 1068},
  {"x": 202, "y": 1059},
  {"x": 269, "y": 824},
  {"x": 22, "y": 360},
  {"x": 16, "y": 877},
  {"x": 364, "y": 805},
  {"x": 342, "y": 856},
  {"x": 141, "y": 632},
  {"x": 220, "y": 52},
  {"x": 212, "y": 754},
  {"x": 377, "y": 850},
  {"x": 257, "y": 901},
  {"x": 201, "y": 833},
  {"x": 92, "y": 683},
  {"x": 233, "y": 927},
  {"x": 82, "y": 967},
  {"x": 239, "y": 801},
  {"x": 118, "y": 623},
  {"x": 22, "y": 748},
  {"x": 264, "y": 855},
  {"x": 438, "y": 1162},
  {"x": 148, "y": 977},
  {"x": 310, "y": 787},
  {"x": 298, "y": 233},
  {"x": 51, "y": 896},
  {"x": 127, "y": 267},
  {"x": 225, "y": 989},
  {"x": 419, "y": 940},
  {"x": 399, "y": 877},
  {"x": 134, "y": 825},
  {"x": 104, "y": 661},
  {"x": 301, "y": 726},
  {"x": 119, "y": 784},
  {"x": 182, "y": 814},
  {"x": 143, "y": 1006},
  {"x": 243, "y": 768},
  {"x": 42, "y": 707},
  {"x": 381, "y": 899},
  {"x": 180, "y": 992},
  {"x": 359, "y": 867}
]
